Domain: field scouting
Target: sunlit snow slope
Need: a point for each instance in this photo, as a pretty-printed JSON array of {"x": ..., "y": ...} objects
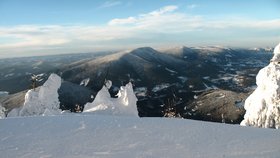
[{"x": 88, "y": 136}]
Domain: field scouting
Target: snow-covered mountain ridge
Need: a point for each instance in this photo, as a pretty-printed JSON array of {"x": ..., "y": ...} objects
[{"x": 156, "y": 76}]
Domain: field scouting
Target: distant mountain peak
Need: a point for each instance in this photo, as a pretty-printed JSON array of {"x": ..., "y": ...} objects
[
  {"x": 146, "y": 49},
  {"x": 212, "y": 48},
  {"x": 259, "y": 49}
]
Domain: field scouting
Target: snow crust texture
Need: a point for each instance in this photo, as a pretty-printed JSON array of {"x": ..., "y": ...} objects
[
  {"x": 97, "y": 136},
  {"x": 263, "y": 105},
  {"x": 124, "y": 104},
  {"x": 41, "y": 101}
]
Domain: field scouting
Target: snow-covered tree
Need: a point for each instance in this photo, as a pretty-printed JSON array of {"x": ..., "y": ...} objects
[
  {"x": 263, "y": 105},
  {"x": 124, "y": 104},
  {"x": 43, "y": 101},
  {"x": 170, "y": 102},
  {"x": 34, "y": 80}
]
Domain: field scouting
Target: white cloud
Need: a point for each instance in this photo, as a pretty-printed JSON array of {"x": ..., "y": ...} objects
[
  {"x": 144, "y": 28},
  {"x": 192, "y": 6},
  {"x": 268, "y": 24},
  {"x": 141, "y": 18},
  {"x": 163, "y": 10},
  {"x": 129, "y": 20},
  {"x": 32, "y": 35},
  {"x": 109, "y": 4}
]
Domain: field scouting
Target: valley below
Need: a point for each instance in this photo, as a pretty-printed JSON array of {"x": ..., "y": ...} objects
[{"x": 202, "y": 83}]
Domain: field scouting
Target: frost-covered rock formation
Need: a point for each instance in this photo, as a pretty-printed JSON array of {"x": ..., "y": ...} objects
[
  {"x": 124, "y": 104},
  {"x": 41, "y": 101},
  {"x": 263, "y": 105}
]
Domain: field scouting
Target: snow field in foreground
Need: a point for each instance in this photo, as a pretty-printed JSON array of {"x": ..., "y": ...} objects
[{"x": 88, "y": 135}]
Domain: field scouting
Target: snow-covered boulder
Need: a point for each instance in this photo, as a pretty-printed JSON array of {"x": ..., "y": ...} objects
[
  {"x": 124, "y": 104},
  {"x": 263, "y": 105},
  {"x": 42, "y": 100}
]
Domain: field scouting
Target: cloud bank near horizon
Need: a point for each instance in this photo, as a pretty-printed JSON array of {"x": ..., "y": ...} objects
[{"x": 164, "y": 26}]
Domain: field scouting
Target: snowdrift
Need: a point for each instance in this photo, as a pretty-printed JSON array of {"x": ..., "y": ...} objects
[{"x": 263, "y": 105}]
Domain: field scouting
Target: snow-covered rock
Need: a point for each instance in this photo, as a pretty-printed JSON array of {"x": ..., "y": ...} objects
[
  {"x": 14, "y": 112},
  {"x": 108, "y": 84},
  {"x": 43, "y": 100},
  {"x": 276, "y": 57},
  {"x": 85, "y": 82},
  {"x": 124, "y": 104},
  {"x": 2, "y": 112},
  {"x": 263, "y": 105}
]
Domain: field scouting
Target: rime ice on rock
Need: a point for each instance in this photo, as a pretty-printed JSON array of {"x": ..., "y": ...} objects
[
  {"x": 103, "y": 103},
  {"x": 44, "y": 100},
  {"x": 263, "y": 105}
]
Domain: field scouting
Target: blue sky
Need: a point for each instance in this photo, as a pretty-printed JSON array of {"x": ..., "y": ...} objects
[{"x": 39, "y": 27}]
